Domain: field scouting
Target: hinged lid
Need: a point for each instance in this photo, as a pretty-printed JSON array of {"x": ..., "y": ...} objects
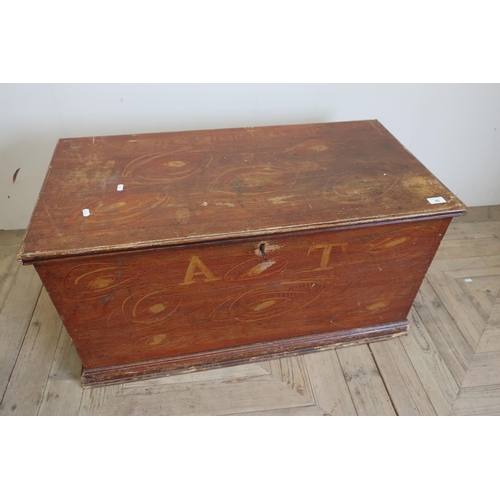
[{"x": 118, "y": 193}]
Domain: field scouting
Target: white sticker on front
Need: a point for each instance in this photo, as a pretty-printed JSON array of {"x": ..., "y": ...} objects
[
  {"x": 437, "y": 199},
  {"x": 86, "y": 212},
  {"x": 467, "y": 280},
  {"x": 119, "y": 187}
]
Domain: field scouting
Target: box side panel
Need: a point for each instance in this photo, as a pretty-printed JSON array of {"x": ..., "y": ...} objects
[{"x": 146, "y": 305}]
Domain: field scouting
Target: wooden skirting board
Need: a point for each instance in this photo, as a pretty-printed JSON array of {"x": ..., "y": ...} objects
[{"x": 246, "y": 354}]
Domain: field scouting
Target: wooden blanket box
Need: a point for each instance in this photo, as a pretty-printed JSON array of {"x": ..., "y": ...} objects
[{"x": 172, "y": 252}]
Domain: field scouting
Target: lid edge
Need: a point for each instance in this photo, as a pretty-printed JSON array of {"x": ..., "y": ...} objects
[{"x": 32, "y": 257}]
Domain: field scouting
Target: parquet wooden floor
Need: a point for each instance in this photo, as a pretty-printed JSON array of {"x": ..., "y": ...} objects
[{"x": 448, "y": 364}]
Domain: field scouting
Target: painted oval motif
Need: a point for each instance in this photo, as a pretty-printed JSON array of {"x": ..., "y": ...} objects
[
  {"x": 359, "y": 183},
  {"x": 377, "y": 306},
  {"x": 155, "y": 340},
  {"x": 415, "y": 242},
  {"x": 89, "y": 281},
  {"x": 124, "y": 207},
  {"x": 263, "y": 303},
  {"x": 164, "y": 168},
  {"x": 311, "y": 147},
  {"x": 151, "y": 309},
  {"x": 388, "y": 243},
  {"x": 252, "y": 180},
  {"x": 167, "y": 339}
]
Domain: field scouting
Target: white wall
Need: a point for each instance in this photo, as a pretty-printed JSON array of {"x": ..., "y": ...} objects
[{"x": 454, "y": 129}]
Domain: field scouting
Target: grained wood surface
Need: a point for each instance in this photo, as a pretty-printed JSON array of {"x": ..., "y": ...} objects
[
  {"x": 157, "y": 249},
  {"x": 182, "y": 187},
  {"x": 433, "y": 370},
  {"x": 150, "y": 305}
]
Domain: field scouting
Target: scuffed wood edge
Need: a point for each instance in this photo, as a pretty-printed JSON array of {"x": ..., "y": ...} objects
[
  {"x": 33, "y": 257},
  {"x": 94, "y": 377}
]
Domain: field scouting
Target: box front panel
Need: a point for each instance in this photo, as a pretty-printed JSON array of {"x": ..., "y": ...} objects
[{"x": 146, "y": 305}]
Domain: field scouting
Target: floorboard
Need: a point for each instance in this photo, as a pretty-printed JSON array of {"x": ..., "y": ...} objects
[
  {"x": 365, "y": 384},
  {"x": 24, "y": 392},
  {"x": 478, "y": 401},
  {"x": 490, "y": 341},
  {"x": 328, "y": 385},
  {"x": 15, "y": 316},
  {"x": 63, "y": 390},
  {"x": 209, "y": 397},
  {"x": 443, "y": 330},
  {"x": 401, "y": 379},
  {"x": 437, "y": 379},
  {"x": 8, "y": 271},
  {"x": 456, "y": 304}
]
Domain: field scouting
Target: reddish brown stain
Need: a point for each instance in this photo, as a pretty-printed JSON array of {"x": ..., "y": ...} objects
[{"x": 232, "y": 245}]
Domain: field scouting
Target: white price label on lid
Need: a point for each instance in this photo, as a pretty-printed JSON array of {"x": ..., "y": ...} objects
[{"x": 437, "y": 199}]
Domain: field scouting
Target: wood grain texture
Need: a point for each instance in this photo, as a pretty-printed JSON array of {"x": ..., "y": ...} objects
[
  {"x": 8, "y": 271},
  {"x": 145, "y": 370},
  {"x": 319, "y": 378},
  {"x": 293, "y": 372},
  {"x": 328, "y": 386},
  {"x": 244, "y": 300},
  {"x": 490, "y": 340},
  {"x": 297, "y": 411},
  {"x": 167, "y": 253},
  {"x": 471, "y": 323},
  {"x": 443, "y": 330},
  {"x": 247, "y": 389},
  {"x": 482, "y": 292},
  {"x": 480, "y": 400},
  {"x": 197, "y": 298},
  {"x": 484, "y": 369},
  {"x": 365, "y": 384},
  {"x": 481, "y": 214},
  {"x": 401, "y": 379},
  {"x": 467, "y": 267},
  {"x": 479, "y": 281},
  {"x": 24, "y": 395},
  {"x": 63, "y": 390},
  {"x": 15, "y": 316},
  {"x": 467, "y": 248},
  {"x": 213, "y": 185},
  {"x": 475, "y": 231},
  {"x": 437, "y": 379}
]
